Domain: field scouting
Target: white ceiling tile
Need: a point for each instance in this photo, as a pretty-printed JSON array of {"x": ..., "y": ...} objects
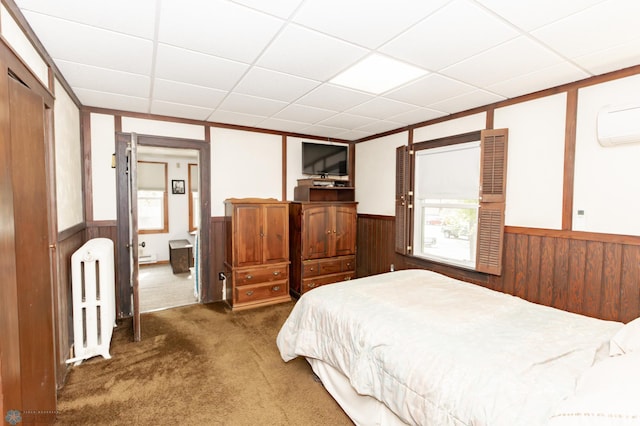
[
  {"x": 538, "y": 80},
  {"x": 251, "y": 105},
  {"x": 467, "y": 101},
  {"x": 180, "y": 110},
  {"x": 353, "y": 135},
  {"x": 176, "y": 64},
  {"x": 346, "y": 121},
  {"x": 430, "y": 89},
  {"x": 281, "y": 8},
  {"x": 274, "y": 85},
  {"x": 467, "y": 29},
  {"x": 334, "y": 98},
  {"x": 182, "y": 93},
  {"x": 125, "y": 16},
  {"x": 286, "y": 125},
  {"x": 381, "y": 108},
  {"x": 304, "y": 113},
  {"x": 531, "y": 14},
  {"x": 111, "y": 101},
  {"x": 217, "y": 27},
  {"x": 105, "y": 80},
  {"x": 417, "y": 115},
  {"x": 370, "y": 23},
  {"x": 304, "y": 53},
  {"x": 83, "y": 44},
  {"x": 493, "y": 66},
  {"x": 231, "y": 117},
  {"x": 380, "y": 126},
  {"x": 597, "y": 28},
  {"x": 617, "y": 57},
  {"x": 324, "y": 131}
]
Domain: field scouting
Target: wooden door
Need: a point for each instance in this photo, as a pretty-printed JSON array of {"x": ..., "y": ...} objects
[
  {"x": 344, "y": 230},
  {"x": 317, "y": 232},
  {"x": 247, "y": 234},
  {"x": 275, "y": 246},
  {"x": 133, "y": 234},
  {"x": 31, "y": 379}
]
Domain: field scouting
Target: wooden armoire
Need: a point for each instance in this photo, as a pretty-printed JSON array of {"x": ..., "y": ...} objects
[
  {"x": 256, "y": 252},
  {"x": 323, "y": 237}
]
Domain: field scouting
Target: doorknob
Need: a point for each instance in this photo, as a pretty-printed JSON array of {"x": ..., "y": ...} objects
[{"x": 142, "y": 244}]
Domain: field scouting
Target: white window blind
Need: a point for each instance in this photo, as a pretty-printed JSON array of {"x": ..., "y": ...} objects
[{"x": 449, "y": 172}]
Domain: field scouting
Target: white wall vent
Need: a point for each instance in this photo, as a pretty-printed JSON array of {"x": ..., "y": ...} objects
[{"x": 618, "y": 125}]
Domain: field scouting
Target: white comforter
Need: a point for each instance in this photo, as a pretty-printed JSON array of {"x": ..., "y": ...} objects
[{"x": 438, "y": 351}]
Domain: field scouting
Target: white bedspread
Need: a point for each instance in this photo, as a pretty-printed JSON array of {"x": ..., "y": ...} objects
[{"x": 438, "y": 351}]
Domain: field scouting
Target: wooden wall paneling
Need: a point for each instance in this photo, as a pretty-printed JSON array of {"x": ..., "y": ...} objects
[
  {"x": 508, "y": 265},
  {"x": 375, "y": 245},
  {"x": 611, "y": 280},
  {"x": 522, "y": 256},
  {"x": 547, "y": 264},
  {"x": 213, "y": 292},
  {"x": 593, "y": 291},
  {"x": 561, "y": 274},
  {"x": 630, "y": 286},
  {"x": 577, "y": 259},
  {"x": 533, "y": 269}
]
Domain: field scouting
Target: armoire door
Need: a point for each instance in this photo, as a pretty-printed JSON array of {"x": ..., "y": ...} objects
[
  {"x": 276, "y": 233},
  {"x": 345, "y": 218},
  {"x": 247, "y": 223},
  {"x": 317, "y": 232}
]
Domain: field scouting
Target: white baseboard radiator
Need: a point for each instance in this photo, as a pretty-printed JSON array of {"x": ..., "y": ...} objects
[{"x": 93, "y": 288}]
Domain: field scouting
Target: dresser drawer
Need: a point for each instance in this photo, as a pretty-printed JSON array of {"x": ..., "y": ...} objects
[
  {"x": 313, "y": 282},
  {"x": 257, "y": 292},
  {"x": 260, "y": 275},
  {"x": 310, "y": 268},
  {"x": 348, "y": 263},
  {"x": 329, "y": 266}
]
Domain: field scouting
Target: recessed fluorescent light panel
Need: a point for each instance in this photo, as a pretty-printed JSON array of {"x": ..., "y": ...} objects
[{"x": 376, "y": 74}]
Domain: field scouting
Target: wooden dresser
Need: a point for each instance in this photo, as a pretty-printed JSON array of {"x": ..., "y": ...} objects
[
  {"x": 323, "y": 238},
  {"x": 256, "y": 252}
]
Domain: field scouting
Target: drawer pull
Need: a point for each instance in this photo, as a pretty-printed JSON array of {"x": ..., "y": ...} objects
[
  {"x": 275, "y": 288},
  {"x": 312, "y": 285},
  {"x": 348, "y": 264},
  {"x": 329, "y": 231},
  {"x": 312, "y": 269},
  {"x": 250, "y": 293},
  {"x": 347, "y": 278},
  {"x": 249, "y": 276},
  {"x": 276, "y": 273}
]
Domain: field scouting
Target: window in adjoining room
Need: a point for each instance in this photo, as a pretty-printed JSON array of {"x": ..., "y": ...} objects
[{"x": 153, "y": 216}]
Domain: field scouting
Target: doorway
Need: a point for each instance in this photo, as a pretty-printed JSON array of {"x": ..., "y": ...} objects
[{"x": 128, "y": 283}]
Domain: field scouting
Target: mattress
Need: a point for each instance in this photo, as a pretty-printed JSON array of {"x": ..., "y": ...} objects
[{"x": 438, "y": 351}]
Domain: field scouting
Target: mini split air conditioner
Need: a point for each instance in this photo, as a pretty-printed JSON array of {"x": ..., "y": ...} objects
[{"x": 618, "y": 125}]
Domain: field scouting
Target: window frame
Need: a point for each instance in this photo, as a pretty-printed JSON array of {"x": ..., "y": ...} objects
[
  {"x": 492, "y": 192},
  {"x": 165, "y": 202},
  {"x": 192, "y": 225}
]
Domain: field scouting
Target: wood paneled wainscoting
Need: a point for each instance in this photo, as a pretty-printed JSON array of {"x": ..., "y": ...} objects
[{"x": 591, "y": 274}]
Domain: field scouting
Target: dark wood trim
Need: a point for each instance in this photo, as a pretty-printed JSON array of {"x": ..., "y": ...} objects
[
  {"x": 489, "y": 119},
  {"x": 117, "y": 123},
  {"x": 19, "y": 68},
  {"x": 569, "y": 158},
  {"x": 207, "y": 133},
  {"x": 632, "y": 240},
  {"x": 376, "y": 217},
  {"x": 206, "y": 123},
  {"x": 87, "y": 182},
  {"x": 448, "y": 140},
  {"x": 284, "y": 168},
  {"x": 101, "y": 223},
  {"x": 589, "y": 81},
  {"x": 67, "y": 233}
]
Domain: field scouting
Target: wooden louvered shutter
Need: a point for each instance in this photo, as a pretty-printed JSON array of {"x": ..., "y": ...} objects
[
  {"x": 402, "y": 199},
  {"x": 493, "y": 183}
]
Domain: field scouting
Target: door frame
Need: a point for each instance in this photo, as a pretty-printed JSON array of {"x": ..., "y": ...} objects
[{"x": 124, "y": 291}]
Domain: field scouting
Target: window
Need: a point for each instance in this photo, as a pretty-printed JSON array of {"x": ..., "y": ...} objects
[
  {"x": 440, "y": 213},
  {"x": 153, "y": 208}
]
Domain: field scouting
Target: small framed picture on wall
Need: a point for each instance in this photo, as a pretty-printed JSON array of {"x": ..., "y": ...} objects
[{"x": 177, "y": 186}]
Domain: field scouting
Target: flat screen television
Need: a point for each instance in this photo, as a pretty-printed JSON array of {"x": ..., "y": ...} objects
[{"x": 324, "y": 160}]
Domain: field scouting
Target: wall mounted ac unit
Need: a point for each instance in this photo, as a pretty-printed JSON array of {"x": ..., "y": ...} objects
[{"x": 618, "y": 125}]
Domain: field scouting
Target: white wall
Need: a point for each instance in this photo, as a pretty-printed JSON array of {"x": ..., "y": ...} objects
[
  {"x": 607, "y": 180},
  {"x": 535, "y": 161},
  {"x": 103, "y": 177},
  {"x": 68, "y": 160},
  {"x": 376, "y": 174},
  {"x": 471, "y": 123},
  {"x": 244, "y": 165}
]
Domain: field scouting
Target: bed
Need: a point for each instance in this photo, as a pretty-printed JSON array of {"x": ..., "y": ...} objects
[{"x": 417, "y": 347}]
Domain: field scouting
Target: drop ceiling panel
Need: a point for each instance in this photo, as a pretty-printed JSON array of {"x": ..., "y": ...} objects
[
  {"x": 491, "y": 67},
  {"x": 286, "y": 125},
  {"x": 467, "y": 29},
  {"x": 430, "y": 89},
  {"x": 304, "y": 53},
  {"x": 280, "y": 8},
  {"x": 324, "y": 131},
  {"x": 381, "y": 108},
  {"x": 111, "y": 100},
  {"x": 135, "y": 18},
  {"x": 334, "y": 98},
  {"x": 251, "y": 104},
  {"x": 379, "y": 126},
  {"x": 552, "y": 76},
  {"x": 105, "y": 80},
  {"x": 182, "y": 93},
  {"x": 230, "y": 117},
  {"x": 84, "y": 44},
  {"x": 275, "y": 85},
  {"x": 417, "y": 115},
  {"x": 191, "y": 67},
  {"x": 621, "y": 56},
  {"x": 467, "y": 101},
  {"x": 179, "y": 110},
  {"x": 304, "y": 113},
  {"x": 346, "y": 121},
  {"x": 217, "y": 27},
  {"x": 371, "y": 23}
]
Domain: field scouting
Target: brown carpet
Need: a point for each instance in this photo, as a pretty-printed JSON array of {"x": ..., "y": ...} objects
[{"x": 198, "y": 365}]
